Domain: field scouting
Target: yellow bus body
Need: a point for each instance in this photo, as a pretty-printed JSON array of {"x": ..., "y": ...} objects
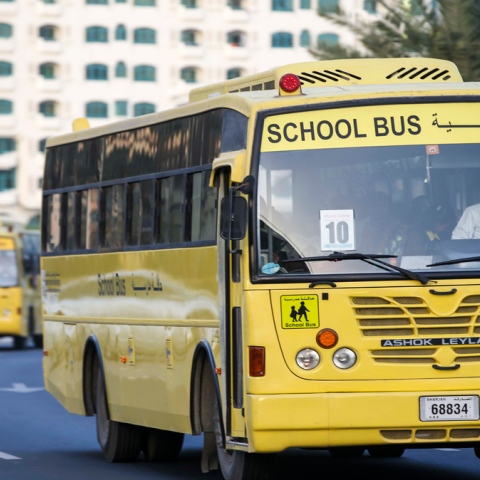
[{"x": 150, "y": 309}]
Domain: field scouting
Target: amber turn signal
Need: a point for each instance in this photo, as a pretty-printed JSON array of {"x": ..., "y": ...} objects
[{"x": 327, "y": 338}]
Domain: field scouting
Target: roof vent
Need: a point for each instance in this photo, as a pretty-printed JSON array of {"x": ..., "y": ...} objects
[
  {"x": 424, "y": 73},
  {"x": 326, "y": 76}
]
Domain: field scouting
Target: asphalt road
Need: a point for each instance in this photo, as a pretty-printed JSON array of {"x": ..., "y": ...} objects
[{"x": 39, "y": 440}]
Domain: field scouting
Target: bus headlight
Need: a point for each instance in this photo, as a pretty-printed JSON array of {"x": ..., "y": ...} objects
[
  {"x": 344, "y": 358},
  {"x": 307, "y": 359}
]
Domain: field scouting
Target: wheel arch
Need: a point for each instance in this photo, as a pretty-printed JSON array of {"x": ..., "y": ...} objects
[
  {"x": 204, "y": 390},
  {"x": 92, "y": 364}
]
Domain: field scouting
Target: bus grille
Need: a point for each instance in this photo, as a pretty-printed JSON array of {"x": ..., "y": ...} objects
[{"x": 411, "y": 317}]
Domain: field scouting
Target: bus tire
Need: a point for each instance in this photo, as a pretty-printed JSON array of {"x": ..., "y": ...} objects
[
  {"x": 386, "y": 451},
  {"x": 19, "y": 342},
  {"x": 120, "y": 442},
  {"x": 346, "y": 452},
  {"x": 38, "y": 340},
  {"x": 238, "y": 465},
  {"x": 162, "y": 445}
]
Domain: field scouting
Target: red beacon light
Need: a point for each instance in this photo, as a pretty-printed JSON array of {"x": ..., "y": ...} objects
[{"x": 290, "y": 84}]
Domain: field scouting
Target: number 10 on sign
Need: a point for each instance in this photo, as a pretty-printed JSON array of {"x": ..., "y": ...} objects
[{"x": 337, "y": 230}]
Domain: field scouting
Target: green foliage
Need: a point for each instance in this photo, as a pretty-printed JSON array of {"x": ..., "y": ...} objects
[{"x": 446, "y": 29}]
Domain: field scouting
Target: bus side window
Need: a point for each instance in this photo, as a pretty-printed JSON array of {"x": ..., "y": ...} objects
[
  {"x": 54, "y": 204},
  {"x": 112, "y": 216},
  {"x": 147, "y": 212},
  {"x": 71, "y": 224},
  {"x": 201, "y": 220},
  {"x": 169, "y": 196},
  {"x": 81, "y": 219},
  {"x": 92, "y": 220}
]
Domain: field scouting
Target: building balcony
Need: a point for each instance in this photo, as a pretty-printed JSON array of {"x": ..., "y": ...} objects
[
  {"x": 47, "y": 46},
  {"x": 190, "y": 51},
  {"x": 235, "y": 15},
  {"x": 235, "y": 52},
  {"x": 6, "y": 44},
  {"x": 7, "y": 83},
  {"x": 7, "y": 121},
  {"x": 48, "y": 9},
  {"x": 8, "y": 198},
  {"x": 48, "y": 84},
  {"x": 190, "y": 14},
  {"x": 48, "y": 123},
  {"x": 8, "y": 160}
]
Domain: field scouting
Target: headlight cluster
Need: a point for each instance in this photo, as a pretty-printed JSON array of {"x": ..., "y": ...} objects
[{"x": 343, "y": 358}]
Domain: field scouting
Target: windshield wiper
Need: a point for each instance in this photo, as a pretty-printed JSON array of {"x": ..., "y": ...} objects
[
  {"x": 372, "y": 259},
  {"x": 456, "y": 260}
]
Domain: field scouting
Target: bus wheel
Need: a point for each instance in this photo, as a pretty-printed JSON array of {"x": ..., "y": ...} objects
[
  {"x": 38, "y": 340},
  {"x": 162, "y": 445},
  {"x": 238, "y": 465},
  {"x": 386, "y": 451},
  {"x": 19, "y": 343},
  {"x": 346, "y": 452},
  {"x": 120, "y": 442}
]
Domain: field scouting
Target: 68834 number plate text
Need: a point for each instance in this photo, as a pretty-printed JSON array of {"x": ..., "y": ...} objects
[{"x": 449, "y": 408}]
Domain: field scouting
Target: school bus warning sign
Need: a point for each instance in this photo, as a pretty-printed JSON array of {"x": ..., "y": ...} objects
[{"x": 299, "y": 311}]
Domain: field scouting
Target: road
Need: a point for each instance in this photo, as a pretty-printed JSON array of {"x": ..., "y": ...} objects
[{"x": 39, "y": 440}]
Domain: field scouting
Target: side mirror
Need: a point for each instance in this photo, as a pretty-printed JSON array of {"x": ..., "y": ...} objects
[{"x": 233, "y": 218}]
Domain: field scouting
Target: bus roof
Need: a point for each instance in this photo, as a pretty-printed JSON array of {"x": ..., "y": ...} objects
[{"x": 407, "y": 77}]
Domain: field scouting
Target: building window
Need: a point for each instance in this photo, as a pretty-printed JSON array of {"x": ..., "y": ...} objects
[
  {"x": 121, "y": 108},
  {"x": 282, "y": 40},
  {"x": 7, "y": 144},
  {"x": 189, "y": 3},
  {"x": 233, "y": 73},
  {"x": 6, "y": 69},
  {"x": 235, "y": 4},
  {"x": 330, "y": 6},
  {"x": 282, "y": 5},
  {"x": 48, "y": 33},
  {"x": 144, "y": 73},
  {"x": 145, "y": 3},
  {"x": 6, "y": 107},
  {"x": 121, "y": 70},
  {"x": 96, "y": 110},
  {"x": 6, "y": 30},
  {"x": 144, "y": 35},
  {"x": 41, "y": 145},
  {"x": 97, "y": 71},
  {"x": 48, "y": 108},
  {"x": 97, "y": 2},
  {"x": 49, "y": 1},
  {"x": 327, "y": 39},
  {"x": 7, "y": 179},
  {"x": 189, "y": 74},
  {"x": 143, "y": 109},
  {"x": 120, "y": 32},
  {"x": 96, "y": 34},
  {"x": 47, "y": 70},
  {"x": 305, "y": 4},
  {"x": 189, "y": 37},
  {"x": 370, "y": 6},
  {"x": 305, "y": 38},
  {"x": 236, "y": 39}
]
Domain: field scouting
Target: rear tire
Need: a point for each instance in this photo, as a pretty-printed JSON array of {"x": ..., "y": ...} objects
[
  {"x": 162, "y": 445},
  {"x": 238, "y": 465},
  {"x": 386, "y": 451},
  {"x": 120, "y": 442},
  {"x": 38, "y": 340}
]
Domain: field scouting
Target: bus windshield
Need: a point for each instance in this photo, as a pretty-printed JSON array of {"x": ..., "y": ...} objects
[
  {"x": 404, "y": 201},
  {"x": 8, "y": 268}
]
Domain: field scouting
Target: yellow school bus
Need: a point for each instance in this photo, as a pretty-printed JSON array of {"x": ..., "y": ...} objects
[
  {"x": 20, "y": 298},
  {"x": 290, "y": 260}
]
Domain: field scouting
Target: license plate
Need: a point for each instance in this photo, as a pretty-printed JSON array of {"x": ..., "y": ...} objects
[{"x": 460, "y": 407}]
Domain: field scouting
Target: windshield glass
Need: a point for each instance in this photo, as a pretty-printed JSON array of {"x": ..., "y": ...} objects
[
  {"x": 419, "y": 202},
  {"x": 8, "y": 268}
]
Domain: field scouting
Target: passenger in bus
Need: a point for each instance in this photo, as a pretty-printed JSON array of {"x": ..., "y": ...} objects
[{"x": 469, "y": 224}]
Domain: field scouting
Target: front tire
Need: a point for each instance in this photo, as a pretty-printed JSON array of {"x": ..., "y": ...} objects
[
  {"x": 19, "y": 342},
  {"x": 238, "y": 465},
  {"x": 120, "y": 442}
]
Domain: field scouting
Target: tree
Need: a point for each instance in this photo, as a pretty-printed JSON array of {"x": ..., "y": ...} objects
[{"x": 446, "y": 29}]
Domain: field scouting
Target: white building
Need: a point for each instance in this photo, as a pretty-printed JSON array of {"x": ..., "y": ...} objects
[{"x": 110, "y": 59}]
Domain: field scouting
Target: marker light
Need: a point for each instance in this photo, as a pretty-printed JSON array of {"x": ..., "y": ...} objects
[
  {"x": 344, "y": 358},
  {"x": 307, "y": 359},
  {"x": 327, "y": 338},
  {"x": 256, "y": 361},
  {"x": 289, "y": 83}
]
